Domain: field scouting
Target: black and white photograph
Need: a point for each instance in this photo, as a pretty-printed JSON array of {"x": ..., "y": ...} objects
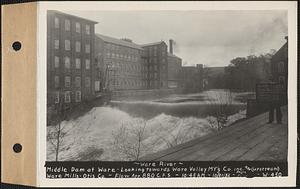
[{"x": 167, "y": 86}]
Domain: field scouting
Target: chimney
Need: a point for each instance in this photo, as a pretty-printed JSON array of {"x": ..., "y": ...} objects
[
  {"x": 286, "y": 38},
  {"x": 171, "y": 45}
]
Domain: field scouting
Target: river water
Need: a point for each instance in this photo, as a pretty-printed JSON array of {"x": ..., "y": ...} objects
[
  {"x": 103, "y": 132},
  {"x": 198, "y": 105}
]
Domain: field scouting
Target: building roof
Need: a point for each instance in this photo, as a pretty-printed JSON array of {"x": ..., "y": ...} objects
[
  {"x": 154, "y": 43},
  {"x": 58, "y": 12},
  {"x": 118, "y": 41}
]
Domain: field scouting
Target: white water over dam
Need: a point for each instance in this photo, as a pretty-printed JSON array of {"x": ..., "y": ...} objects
[{"x": 165, "y": 122}]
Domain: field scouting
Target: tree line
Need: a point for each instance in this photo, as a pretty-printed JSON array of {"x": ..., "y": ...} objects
[{"x": 244, "y": 72}]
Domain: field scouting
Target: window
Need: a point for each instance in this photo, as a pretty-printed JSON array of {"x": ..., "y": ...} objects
[
  {"x": 282, "y": 80},
  {"x": 67, "y": 97},
  {"x": 56, "y": 97},
  {"x": 77, "y": 46},
  {"x": 67, "y": 62},
  {"x": 56, "y": 81},
  {"x": 56, "y": 44},
  {"x": 87, "y": 64},
  {"x": 67, "y": 45},
  {"x": 67, "y": 81},
  {"x": 87, "y": 48},
  {"x": 78, "y": 82},
  {"x": 87, "y": 29},
  {"x": 67, "y": 25},
  {"x": 77, "y": 96},
  {"x": 281, "y": 67},
  {"x": 56, "y": 22},
  {"x": 77, "y": 63},
  {"x": 97, "y": 85},
  {"x": 77, "y": 27},
  {"x": 87, "y": 82},
  {"x": 56, "y": 62}
]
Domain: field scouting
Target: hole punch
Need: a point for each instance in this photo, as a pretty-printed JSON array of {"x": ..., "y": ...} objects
[
  {"x": 17, "y": 148},
  {"x": 16, "y": 45}
]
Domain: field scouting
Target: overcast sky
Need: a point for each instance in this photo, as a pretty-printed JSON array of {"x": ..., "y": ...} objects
[{"x": 211, "y": 38}]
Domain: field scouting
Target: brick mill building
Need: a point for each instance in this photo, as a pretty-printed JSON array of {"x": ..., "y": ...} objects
[
  {"x": 71, "y": 76},
  {"x": 156, "y": 60},
  {"x": 192, "y": 78},
  {"x": 279, "y": 65},
  {"x": 120, "y": 63}
]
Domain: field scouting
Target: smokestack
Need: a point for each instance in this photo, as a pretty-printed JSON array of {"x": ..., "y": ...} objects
[{"x": 171, "y": 45}]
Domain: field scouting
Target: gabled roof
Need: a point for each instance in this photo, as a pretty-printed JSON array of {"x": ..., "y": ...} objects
[
  {"x": 155, "y": 43},
  {"x": 66, "y": 14},
  {"x": 118, "y": 41}
]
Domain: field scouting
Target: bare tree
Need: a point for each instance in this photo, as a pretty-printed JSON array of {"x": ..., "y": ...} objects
[
  {"x": 129, "y": 140},
  {"x": 221, "y": 105},
  {"x": 56, "y": 134}
]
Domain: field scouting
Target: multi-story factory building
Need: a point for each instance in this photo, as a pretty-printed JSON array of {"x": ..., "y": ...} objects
[
  {"x": 174, "y": 71},
  {"x": 156, "y": 64},
  {"x": 70, "y": 59},
  {"x": 174, "y": 68},
  {"x": 192, "y": 78},
  {"x": 120, "y": 63}
]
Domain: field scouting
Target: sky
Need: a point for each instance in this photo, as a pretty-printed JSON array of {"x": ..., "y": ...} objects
[{"x": 211, "y": 38}]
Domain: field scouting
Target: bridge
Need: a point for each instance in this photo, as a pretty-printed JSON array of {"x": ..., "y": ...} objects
[{"x": 248, "y": 140}]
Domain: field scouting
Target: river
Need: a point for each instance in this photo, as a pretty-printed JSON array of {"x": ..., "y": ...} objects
[{"x": 111, "y": 132}]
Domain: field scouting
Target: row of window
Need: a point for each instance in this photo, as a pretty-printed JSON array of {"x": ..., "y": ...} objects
[
  {"x": 67, "y": 82},
  {"x": 67, "y": 24},
  {"x": 67, "y": 62},
  {"x": 68, "y": 46},
  {"x": 67, "y": 97},
  {"x": 122, "y": 56},
  {"x": 135, "y": 67},
  {"x": 127, "y": 83},
  {"x": 113, "y": 47},
  {"x": 155, "y": 60}
]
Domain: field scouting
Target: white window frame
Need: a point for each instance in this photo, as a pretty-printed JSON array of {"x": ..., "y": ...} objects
[
  {"x": 67, "y": 62},
  {"x": 77, "y": 27},
  {"x": 97, "y": 85},
  {"x": 56, "y": 22},
  {"x": 78, "y": 82},
  {"x": 77, "y": 46},
  {"x": 87, "y": 64},
  {"x": 77, "y": 63},
  {"x": 88, "y": 29},
  {"x": 67, "y": 25},
  {"x": 78, "y": 94},
  {"x": 67, "y": 82},
  {"x": 67, "y": 97},
  {"x": 56, "y": 44},
  {"x": 56, "y": 97},
  {"x": 56, "y": 81},
  {"x": 67, "y": 45},
  {"x": 56, "y": 61}
]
